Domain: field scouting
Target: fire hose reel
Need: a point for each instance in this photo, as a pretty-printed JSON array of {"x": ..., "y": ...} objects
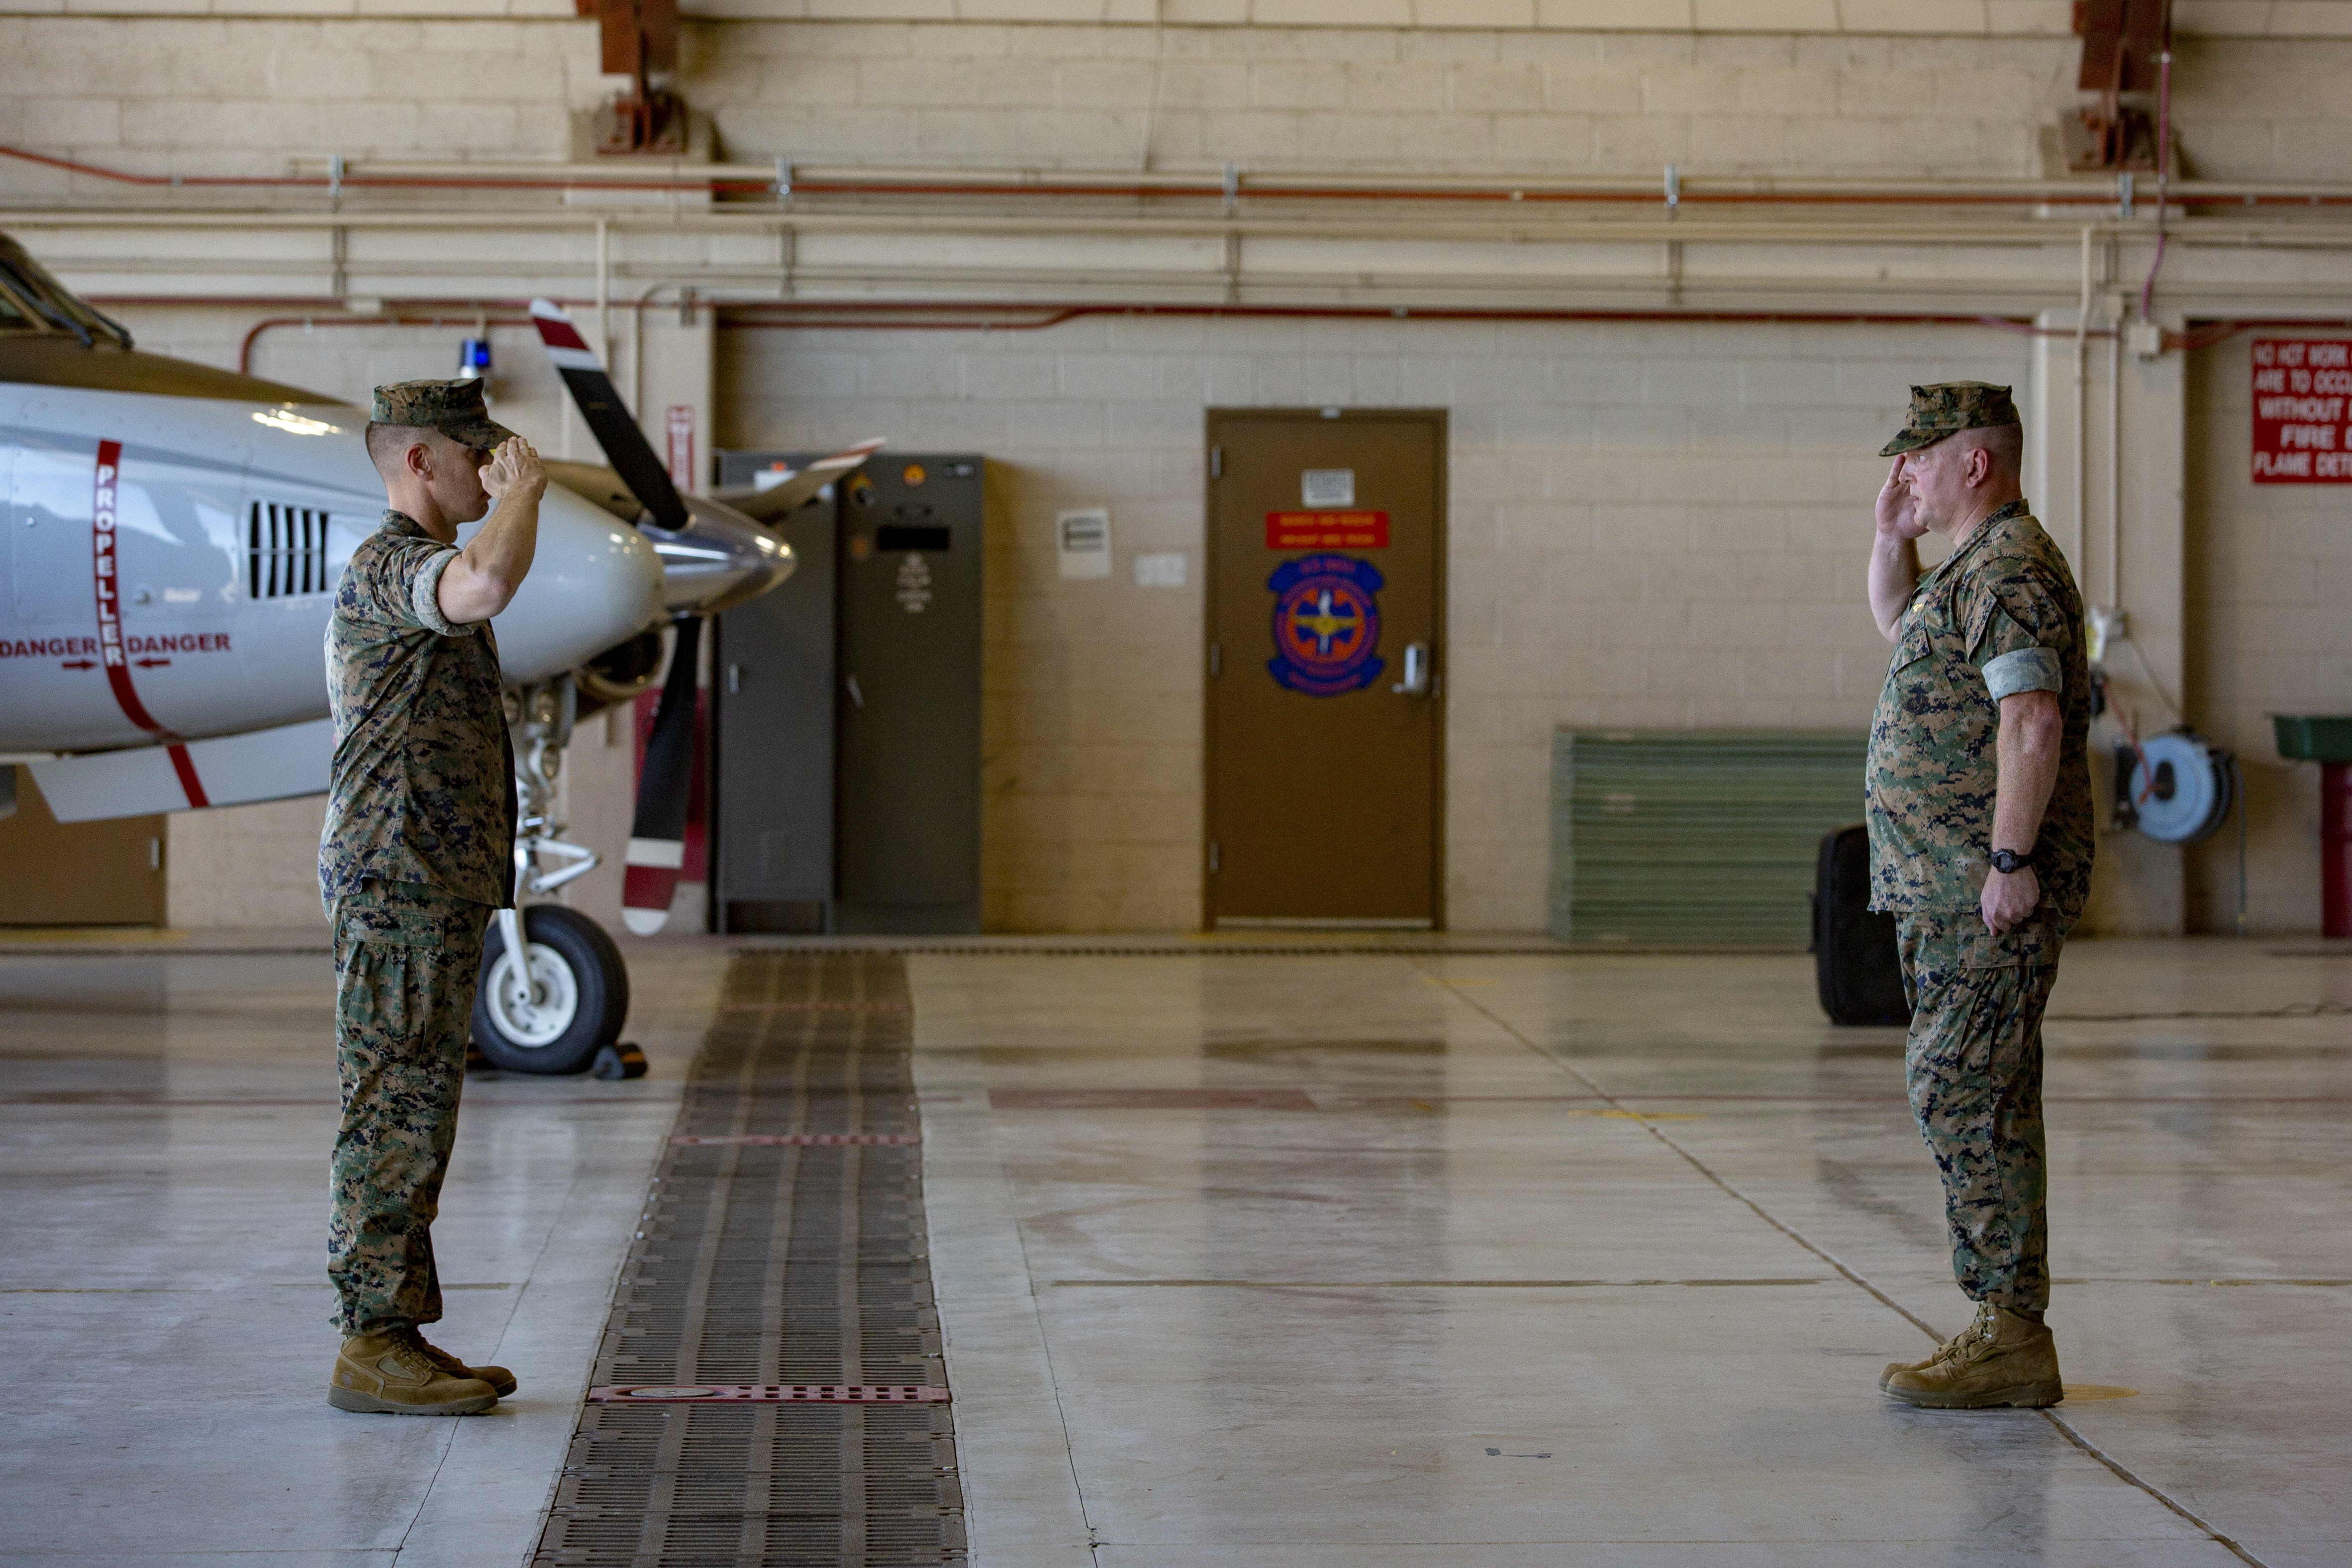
[{"x": 2176, "y": 788}]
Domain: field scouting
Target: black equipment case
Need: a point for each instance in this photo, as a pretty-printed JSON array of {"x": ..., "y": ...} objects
[{"x": 1855, "y": 962}]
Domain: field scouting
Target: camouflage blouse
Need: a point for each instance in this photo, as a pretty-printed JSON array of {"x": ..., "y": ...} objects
[
  {"x": 421, "y": 788},
  {"x": 1999, "y": 616}
]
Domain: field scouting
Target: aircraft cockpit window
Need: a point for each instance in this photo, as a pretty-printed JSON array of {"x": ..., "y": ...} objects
[{"x": 30, "y": 298}]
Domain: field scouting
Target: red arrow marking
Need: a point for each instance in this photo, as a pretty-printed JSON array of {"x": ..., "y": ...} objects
[
  {"x": 150, "y": 663},
  {"x": 78, "y": 664}
]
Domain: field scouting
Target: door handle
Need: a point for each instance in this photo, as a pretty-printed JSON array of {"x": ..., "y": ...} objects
[{"x": 1416, "y": 672}]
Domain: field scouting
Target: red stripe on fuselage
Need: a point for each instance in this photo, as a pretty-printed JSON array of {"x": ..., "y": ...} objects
[
  {"x": 105, "y": 581},
  {"x": 184, "y": 765}
]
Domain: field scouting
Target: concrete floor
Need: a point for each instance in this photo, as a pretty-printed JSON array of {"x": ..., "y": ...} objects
[
  {"x": 1373, "y": 1260},
  {"x": 164, "y": 1122}
]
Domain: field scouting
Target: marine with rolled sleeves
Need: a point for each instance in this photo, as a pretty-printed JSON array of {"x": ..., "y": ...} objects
[
  {"x": 417, "y": 851},
  {"x": 1978, "y": 802}
]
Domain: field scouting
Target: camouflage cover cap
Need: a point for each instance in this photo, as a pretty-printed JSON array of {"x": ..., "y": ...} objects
[
  {"x": 1949, "y": 405},
  {"x": 453, "y": 408}
]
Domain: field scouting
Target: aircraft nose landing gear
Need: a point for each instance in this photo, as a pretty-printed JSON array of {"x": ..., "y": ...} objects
[
  {"x": 554, "y": 989},
  {"x": 564, "y": 1001}
]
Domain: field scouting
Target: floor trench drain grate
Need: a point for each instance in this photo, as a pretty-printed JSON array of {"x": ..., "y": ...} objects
[{"x": 769, "y": 1389}]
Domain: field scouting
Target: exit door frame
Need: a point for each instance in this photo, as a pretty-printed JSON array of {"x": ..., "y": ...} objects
[{"x": 1438, "y": 643}]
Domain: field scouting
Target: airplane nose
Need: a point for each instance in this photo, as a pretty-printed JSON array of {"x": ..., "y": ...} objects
[{"x": 721, "y": 558}]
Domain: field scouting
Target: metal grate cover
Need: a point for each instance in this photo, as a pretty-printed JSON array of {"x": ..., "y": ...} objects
[
  {"x": 782, "y": 1243},
  {"x": 1694, "y": 838}
]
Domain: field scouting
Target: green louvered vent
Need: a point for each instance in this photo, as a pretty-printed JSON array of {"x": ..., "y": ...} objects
[{"x": 1695, "y": 837}]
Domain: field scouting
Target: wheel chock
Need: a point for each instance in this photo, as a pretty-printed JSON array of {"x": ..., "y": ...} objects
[{"x": 623, "y": 1060}]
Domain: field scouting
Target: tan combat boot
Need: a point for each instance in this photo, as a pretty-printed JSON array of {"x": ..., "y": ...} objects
[
  {"x": 501, "y": 1380},
  {"x": 390, "y": 1374},
  {"x": 2000, "y": 1359},
  {"x": 1975, "y": 1325}
]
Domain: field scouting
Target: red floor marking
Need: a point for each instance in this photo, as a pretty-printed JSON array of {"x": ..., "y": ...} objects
[
  {"x": 1630, "y": 1099},
  {"x": 799, "y": 1140},
  {"x": 768, "y": 1394},
  {"x": 1149, "y": 1100}
]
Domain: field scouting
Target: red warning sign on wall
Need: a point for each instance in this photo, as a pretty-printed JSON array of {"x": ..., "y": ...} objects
[
  {"x": 2302, "y": 411},
  {"x": 1327, "y": 530}
]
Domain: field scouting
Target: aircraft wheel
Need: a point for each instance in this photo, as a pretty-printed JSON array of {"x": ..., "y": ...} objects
[{"x": 553, "y": 1014}]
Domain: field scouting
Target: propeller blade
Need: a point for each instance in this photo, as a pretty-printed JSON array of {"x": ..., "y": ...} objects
[
  {"x": 625, "y": 447},
  {"x": 658, "y": 835},
  {"x": 767, "y": 502}
]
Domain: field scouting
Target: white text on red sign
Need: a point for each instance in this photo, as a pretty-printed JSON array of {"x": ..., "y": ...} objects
[{"x": 2301, "y": 392}]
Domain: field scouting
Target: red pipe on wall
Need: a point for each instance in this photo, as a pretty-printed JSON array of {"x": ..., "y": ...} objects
[
  {"x": 1207, "y": 187},
  {"x": 949, "y": 315},
  {"x": 245, "y": 348},
  {"x": 364, "y": 181}
]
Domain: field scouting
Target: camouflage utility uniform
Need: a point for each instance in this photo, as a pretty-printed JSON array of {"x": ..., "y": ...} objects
[
  {"x": 1999, "y": 616},
  {"x": 418, "y": 850}
]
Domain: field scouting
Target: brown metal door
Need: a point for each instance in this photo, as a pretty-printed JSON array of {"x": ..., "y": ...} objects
[
  {"x": 1325, "y": 702},
  {"x": 57, "y": 873}
]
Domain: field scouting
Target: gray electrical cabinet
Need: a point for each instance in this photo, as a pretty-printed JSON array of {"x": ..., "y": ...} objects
[
  {"x": 772, "y": 674},
  {"x": 848, "y": 734}
]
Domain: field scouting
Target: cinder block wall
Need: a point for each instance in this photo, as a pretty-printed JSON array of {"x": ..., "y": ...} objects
[
  {"x": 1649, "y": 525},
  {"x": 2270, "y": 596},
  {"x": 232, "y": 95},
  {"x": 245, "y": 865}
]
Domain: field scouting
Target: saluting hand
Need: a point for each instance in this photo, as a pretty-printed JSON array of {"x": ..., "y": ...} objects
[
  {"x": 1898, "y": 513},
  {"x": 514, "y": 468}
]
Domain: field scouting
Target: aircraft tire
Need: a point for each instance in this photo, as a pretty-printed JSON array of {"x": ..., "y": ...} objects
[{"x": 576, "y": 1007}]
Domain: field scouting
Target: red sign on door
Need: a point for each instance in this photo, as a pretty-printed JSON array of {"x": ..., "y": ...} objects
[
  {"x": 1327, "y": 530},
  {"x": 2302, "y": 411}
]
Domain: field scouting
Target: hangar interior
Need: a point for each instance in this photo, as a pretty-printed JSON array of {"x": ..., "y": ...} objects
[{"x": 1296, "y": 1154}]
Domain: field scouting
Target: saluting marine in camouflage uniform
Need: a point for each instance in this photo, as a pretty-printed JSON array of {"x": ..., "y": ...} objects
[
  {"x": 417, "y": 851},
  {"x": 1979, "y": 799}
]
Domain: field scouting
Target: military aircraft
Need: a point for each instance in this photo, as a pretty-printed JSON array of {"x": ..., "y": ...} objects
[{"x": 176, "y": 534}]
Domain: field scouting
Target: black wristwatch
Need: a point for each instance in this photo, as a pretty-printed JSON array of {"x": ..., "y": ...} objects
[{"x": 2007, "y": 861}]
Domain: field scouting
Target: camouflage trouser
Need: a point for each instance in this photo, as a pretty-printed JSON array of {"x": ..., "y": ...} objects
[
  {"x": 406, "y": 958},
  {"x": 1973, "y": 1065}
]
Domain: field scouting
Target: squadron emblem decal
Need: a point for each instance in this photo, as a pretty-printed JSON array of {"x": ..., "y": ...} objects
[{"x": 1326, "y": 623}]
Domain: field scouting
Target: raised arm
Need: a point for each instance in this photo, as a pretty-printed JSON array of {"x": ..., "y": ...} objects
[
  {"x": 487, "y": 573},
  {"x": 1894, "y": 553}
]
